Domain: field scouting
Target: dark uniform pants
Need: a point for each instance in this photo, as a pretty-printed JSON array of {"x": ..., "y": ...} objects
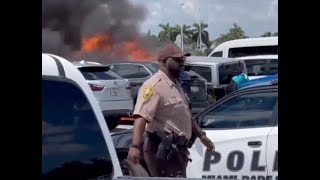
[{"x": 175, "y": 167}]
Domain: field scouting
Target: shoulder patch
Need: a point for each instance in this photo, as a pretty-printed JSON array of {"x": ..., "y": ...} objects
[{"x": 147, "y": 93}]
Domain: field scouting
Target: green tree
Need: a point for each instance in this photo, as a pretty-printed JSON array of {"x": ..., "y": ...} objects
[
  {"x": 235, "y": 32},
  {"x": 166, "y": 34},
  {"x": 200, "y": 29},
  {"x": 207, "y": 51},
  {"x": 267, "y": 34}
]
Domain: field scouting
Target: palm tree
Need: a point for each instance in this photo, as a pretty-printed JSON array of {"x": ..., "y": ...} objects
[
  {"x": 186, "y": 31},
  {"x": 166, "y": 33},
  {"x": 200, "y": 29}
]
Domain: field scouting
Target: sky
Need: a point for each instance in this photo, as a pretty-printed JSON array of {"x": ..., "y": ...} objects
[{"x": 254, "y": 16}]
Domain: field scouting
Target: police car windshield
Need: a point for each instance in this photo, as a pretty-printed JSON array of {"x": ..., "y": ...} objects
[{"x": 73, "y": 145}]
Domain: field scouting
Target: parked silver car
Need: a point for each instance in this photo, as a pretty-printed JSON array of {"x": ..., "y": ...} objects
[
  {"x": 136, "y": 72},
  {"x": 217, "y": 71},
  {"x": 111, "y": 91}
]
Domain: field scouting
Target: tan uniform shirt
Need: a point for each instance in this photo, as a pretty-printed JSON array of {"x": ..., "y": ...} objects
[{"x": 164, "y": 105}]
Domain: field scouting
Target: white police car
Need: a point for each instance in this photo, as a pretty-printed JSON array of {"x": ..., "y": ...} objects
[{"x": 244, "y": 128}]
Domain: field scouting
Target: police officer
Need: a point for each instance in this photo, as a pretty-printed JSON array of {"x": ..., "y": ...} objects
[{"x": 162, "y": 105}]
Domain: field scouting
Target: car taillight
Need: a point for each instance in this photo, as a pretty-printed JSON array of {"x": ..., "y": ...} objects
[{"x": 95, "y": 87}]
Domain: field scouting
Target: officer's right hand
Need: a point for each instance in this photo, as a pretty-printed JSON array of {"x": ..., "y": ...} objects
[{"x": 134, "y": 155}]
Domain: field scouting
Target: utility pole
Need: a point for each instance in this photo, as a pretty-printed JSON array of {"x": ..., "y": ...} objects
[
  {"x": 181, "y": 33},
  {"x": 200, "y": 31}
]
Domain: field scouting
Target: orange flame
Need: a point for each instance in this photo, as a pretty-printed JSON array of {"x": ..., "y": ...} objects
[
  {"x": 99, "y": 42},
  {"x": 132, "y": 50}
]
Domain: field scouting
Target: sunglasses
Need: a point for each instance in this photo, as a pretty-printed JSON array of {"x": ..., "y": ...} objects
[{"x": 178, "y": 59}]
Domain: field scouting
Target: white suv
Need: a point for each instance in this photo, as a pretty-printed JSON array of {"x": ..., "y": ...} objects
[{"x": 111, "y": 91}]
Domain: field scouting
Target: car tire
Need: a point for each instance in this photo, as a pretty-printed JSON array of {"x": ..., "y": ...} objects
[
  {"x": 130, "y": 169},
  {"x": 112, "y": 122}
]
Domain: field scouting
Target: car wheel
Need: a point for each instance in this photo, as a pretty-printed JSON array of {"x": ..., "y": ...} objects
[{"x": 130, "y": 169}]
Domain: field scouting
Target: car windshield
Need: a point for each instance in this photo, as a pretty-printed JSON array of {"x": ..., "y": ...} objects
[
  {"x": 203, "y": 71},
  {"x": 252, "y": 51},
  {"x": 153, "y": 67},
  {"x": 262, "y": 66},
  {"x": 73, "y": 145},
  {"x": 98, "y": 73},
  {"x": 227, "y": 71}
]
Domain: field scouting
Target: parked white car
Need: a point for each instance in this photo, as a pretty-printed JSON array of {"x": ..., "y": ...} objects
[
  {"x": 246, "y": 47},
  {"x": 111, "y": 91}
]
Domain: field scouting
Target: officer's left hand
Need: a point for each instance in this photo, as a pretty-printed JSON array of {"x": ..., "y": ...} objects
[{"x": 208, "y": 143}]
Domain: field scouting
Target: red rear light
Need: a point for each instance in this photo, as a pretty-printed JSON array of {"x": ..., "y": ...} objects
[{"x": 95, "y": 87}]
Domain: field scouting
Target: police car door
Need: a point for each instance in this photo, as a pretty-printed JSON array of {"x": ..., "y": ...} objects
[
  {"x": 238, "y": 126},
  {"x": 272, "y": 150}
]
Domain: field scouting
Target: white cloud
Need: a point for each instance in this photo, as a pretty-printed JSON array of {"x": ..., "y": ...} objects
[
  {"x": 189, "y": 7},
  {"x": 154, "y": 13},
  {"x": 255, "y": 17},
  {"x": 219, "y": 7}
]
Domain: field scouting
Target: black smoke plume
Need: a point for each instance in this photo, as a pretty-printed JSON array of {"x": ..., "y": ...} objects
[{"x": 66, "y": 22}]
